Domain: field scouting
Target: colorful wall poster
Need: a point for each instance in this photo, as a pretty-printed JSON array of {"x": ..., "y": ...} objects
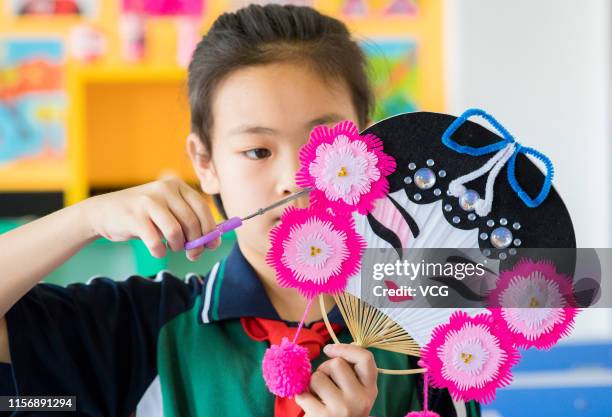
[
  {"x": 377, "y": 8},
  {"x": 165, "y": 7},
  {"x": 32, "y": 99},
  {"x": 52, "y": 7},
  {"x": 394, "y": 75}
]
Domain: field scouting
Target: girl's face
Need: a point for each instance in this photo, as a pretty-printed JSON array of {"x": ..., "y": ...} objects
[{"x": 262, "y": 116}]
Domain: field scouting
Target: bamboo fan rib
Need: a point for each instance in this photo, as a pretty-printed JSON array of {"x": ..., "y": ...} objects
[{"x": 370, "y": 327}]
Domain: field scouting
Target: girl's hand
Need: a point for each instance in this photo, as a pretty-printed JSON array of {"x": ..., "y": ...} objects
[
  {"x": 344, "y": 386},
  {"x": 168, "y": 209}
]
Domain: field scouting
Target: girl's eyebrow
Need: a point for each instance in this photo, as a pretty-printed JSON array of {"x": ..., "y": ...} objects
[
  {"x": 325, "y": 119},
  {"x": 253, "y": 130},
  {"x": 263, "y": 130}
]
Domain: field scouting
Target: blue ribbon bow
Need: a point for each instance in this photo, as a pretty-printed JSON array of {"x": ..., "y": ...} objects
[{"x": 494, "y": 147}]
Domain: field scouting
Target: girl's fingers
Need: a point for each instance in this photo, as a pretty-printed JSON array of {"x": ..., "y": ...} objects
[
  {"x": 326, "y": 390},
  {"x": 362, "y": 359},
  {"x": 342, "y": 374},
  {"x": 201, "y": 209},
  {"x": 214, "y": 244},
  {"x": 168, "y": 225},
  {"x": 189, "y": 221},
  {"x": 199, "y": 205},
  {"x": 150, "y": 236},
  {"x": 310, "y": 404}
]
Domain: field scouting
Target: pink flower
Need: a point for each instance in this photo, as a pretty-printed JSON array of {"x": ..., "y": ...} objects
[
  {"x": 345, "y": 170},
  {"x": 315, "y": 251},
  {"x": 534, "y": 304},
  {"x": 470, "y": 357}
]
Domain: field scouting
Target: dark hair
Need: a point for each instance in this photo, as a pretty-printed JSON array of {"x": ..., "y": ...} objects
[{"x": 258, "y": 35}]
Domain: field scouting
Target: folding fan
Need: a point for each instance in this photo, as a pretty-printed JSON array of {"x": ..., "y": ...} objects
[{"x": 422, "y": 210}]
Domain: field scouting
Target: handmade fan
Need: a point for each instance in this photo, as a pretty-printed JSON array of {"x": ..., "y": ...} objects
[
  {"x": 402, "y": 185},
  {"x": 420, "y": 211}
]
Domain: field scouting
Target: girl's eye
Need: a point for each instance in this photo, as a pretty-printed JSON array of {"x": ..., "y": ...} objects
[{"x": 257, "y": 153}]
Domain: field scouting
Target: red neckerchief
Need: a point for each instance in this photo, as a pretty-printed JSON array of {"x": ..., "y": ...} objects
[{"x": 273, "y": 331}]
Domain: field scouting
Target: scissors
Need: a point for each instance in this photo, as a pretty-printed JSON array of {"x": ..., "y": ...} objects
[{"x": 236, "y": 222}]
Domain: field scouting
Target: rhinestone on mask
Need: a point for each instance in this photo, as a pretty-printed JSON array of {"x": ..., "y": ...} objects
[
  {"x": 501, "y": 237},
  {"x": 424, "y": 178}
]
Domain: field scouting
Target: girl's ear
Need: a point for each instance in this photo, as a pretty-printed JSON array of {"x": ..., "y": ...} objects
[{"x": 202, "y": 164}]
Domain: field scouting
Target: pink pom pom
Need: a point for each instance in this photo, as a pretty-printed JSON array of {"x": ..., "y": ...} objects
[
  {"x": 286, "y": 369},
  {"x": 422, "y": 414}
]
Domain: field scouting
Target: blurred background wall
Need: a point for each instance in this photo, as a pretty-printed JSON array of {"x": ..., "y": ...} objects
[{"x": 543, "y": 67}]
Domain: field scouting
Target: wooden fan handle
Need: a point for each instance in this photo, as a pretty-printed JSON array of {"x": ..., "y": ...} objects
[
  {"x": 380, "y": 370},
  {"x": 326, "y": 320}
]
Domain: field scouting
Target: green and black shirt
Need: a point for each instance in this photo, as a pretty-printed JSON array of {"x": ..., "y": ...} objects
[{"x": 172, "y": 348}]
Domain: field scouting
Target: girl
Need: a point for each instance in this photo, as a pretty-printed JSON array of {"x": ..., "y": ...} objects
[{"x": 259, "y": 81}]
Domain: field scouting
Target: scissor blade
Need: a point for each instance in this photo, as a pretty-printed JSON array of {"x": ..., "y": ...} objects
[{"x": 279, "y": 203}]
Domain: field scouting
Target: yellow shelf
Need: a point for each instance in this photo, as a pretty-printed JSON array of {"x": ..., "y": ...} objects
[
  {"x": 109, "y": 111},
  {"x": 120, "y": 110},
  {"x": 34, "y": 176},
  {"x": 125, "y": 73}
]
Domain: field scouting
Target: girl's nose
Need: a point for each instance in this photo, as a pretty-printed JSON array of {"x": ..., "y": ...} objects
[{"x": 286, "y": 180}]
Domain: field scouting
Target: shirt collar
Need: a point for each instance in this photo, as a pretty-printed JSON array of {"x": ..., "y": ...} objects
[{"x": 233, "y": 290}]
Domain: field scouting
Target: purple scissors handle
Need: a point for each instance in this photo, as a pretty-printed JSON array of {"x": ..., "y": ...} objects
[
  {"x": 236, "y": 222},
  {"x": 221, "y": 228}
]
